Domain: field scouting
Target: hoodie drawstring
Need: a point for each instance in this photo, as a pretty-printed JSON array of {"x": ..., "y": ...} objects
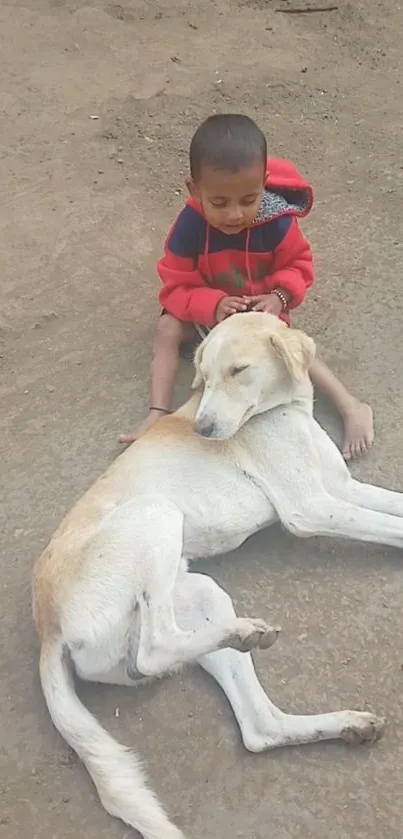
[
  {"x": 207, "y": 254},
  {"x": 247, "y": 258}
]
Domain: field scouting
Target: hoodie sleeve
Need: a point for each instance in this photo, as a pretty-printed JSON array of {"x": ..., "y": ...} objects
[
  {"x": 184, "y": 293},
  {"x": 293, "y": 268}
]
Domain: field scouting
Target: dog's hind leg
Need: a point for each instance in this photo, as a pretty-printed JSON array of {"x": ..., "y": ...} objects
[
  {"x": 117, "y": 675},
  {"x": 264, "y": 726},
  {"x": 124, "y": 607},
  {"x": 165, "y": 643}
]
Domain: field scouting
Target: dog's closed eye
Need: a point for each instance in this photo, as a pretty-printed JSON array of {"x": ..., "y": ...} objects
[{"x": 234, "y": 371}]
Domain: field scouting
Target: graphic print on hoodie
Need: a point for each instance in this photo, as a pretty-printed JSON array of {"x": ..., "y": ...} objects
[{"x": 201, "y": 265}]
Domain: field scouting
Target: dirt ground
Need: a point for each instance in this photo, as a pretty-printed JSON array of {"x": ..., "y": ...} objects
[{"x": 98, "y": 102}]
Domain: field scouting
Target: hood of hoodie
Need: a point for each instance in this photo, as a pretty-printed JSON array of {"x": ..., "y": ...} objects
[{"x": 285, "y": 193}]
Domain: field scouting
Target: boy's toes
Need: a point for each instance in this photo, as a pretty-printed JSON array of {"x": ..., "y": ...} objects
[
  {"x": 358, "y": 431},
  {"x": 126, "y": 439}
]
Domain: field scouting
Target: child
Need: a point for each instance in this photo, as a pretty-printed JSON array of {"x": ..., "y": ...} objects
[{"x": 237, "y": 245}]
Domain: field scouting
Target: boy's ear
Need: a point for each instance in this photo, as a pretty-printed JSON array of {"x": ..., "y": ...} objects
[{"x": 192, "y": 188}]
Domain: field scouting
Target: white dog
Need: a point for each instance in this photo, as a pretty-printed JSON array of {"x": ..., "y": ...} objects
[{"x": 113, "y": 599}]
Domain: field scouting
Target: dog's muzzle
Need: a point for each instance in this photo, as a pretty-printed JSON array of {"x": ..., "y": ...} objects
[{"x": 206, "y": 428}]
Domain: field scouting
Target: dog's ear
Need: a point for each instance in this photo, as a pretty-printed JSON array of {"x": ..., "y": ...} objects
[
  {"x": 296, "y": 349},
  {"x": 198, "y": 379}
]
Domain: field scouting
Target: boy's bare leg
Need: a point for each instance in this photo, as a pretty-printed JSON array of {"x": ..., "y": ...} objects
[
  {"x": 357, "y": 416},
  {"x": 164, "y": 369}
]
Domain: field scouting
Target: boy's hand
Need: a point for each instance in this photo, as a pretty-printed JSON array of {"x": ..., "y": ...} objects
[
  {"x": 265, "y": 303},
  {"x": 230, "y": 306}
]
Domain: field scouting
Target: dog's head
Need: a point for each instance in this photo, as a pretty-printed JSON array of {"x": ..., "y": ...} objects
[{"x": 248, "y": 364}]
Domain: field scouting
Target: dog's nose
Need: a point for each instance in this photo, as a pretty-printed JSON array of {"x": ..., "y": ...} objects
[{"x": 207, "y": 429}]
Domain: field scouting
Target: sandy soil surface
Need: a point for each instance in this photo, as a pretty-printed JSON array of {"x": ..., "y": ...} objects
[{"x": 98, "y": 103}]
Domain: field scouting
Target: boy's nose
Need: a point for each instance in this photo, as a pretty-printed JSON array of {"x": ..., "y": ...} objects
[{"x": 235, "y": 215}]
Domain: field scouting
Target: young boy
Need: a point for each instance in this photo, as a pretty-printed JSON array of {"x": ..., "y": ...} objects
[{"x": 237, "y": 245}]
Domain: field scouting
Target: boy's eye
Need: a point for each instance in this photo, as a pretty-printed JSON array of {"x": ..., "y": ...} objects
[
  {"x": 219, "y": 205},
  {"x": 248, "y": 201}
]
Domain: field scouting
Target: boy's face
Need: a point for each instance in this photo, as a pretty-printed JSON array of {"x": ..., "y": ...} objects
[{"x": 230, "y": 200}]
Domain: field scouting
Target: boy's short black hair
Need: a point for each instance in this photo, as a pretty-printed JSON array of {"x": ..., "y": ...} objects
[{"x": 226, "y": 142}]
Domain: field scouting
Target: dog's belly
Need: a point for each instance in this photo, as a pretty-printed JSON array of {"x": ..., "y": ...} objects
[
  {"x": 221, "y": 505},
  {"x": 224, "y": 526}
]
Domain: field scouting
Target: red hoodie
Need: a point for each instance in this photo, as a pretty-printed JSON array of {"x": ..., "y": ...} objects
[{"x": 201, "y": 265}]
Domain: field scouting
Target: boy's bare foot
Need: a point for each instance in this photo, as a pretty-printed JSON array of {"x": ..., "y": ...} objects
[
  {"x": 142, "y": 427},
  {"x": 358, "y": 430}
]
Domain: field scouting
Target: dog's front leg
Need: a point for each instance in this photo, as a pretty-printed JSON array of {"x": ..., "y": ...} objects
[
  {"x": 296, "y": 477},
  {"x": 374, "y": 498},
  {"x": 325, "y": 515},
  {"x": 306, "y": 507}
]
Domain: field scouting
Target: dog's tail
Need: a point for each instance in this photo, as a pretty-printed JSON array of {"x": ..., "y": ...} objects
[{"x": 115, "y": 771}]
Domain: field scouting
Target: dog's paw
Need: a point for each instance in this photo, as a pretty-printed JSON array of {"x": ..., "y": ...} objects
[
  {"x": 362, "y": 728},
  {"x": 251, "y": 633}
]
